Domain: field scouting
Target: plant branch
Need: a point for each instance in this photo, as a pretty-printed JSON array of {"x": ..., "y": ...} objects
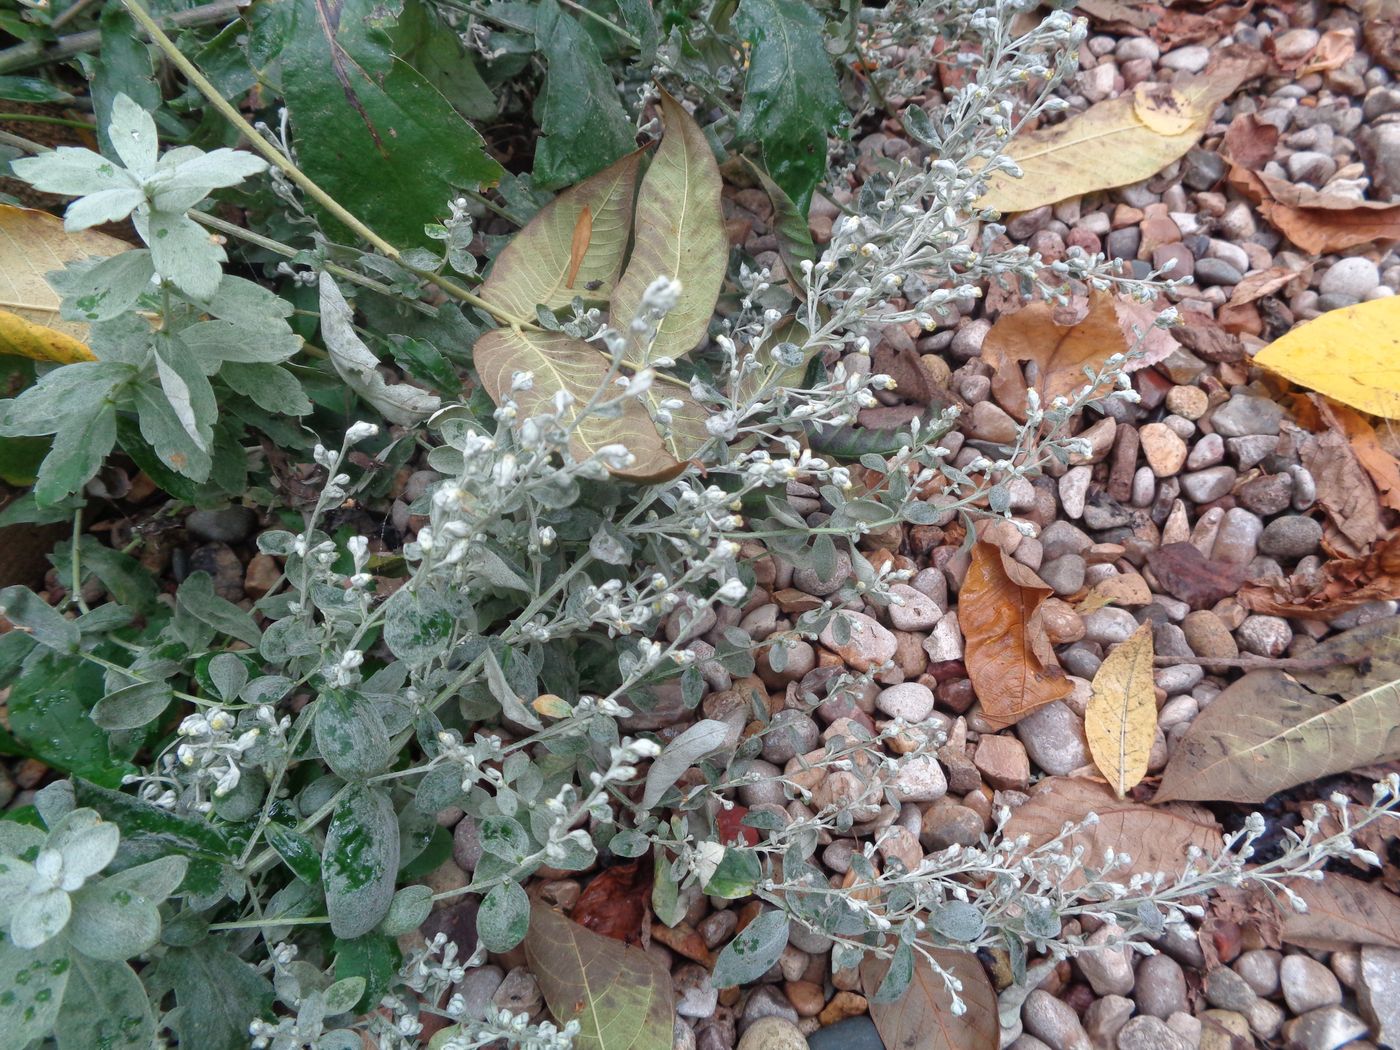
[{"x": 1256, "y": 663}]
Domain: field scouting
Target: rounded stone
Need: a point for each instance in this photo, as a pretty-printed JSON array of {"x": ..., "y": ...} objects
[
  {"x": 1053, "y": 1022},
  {"x": 790, "y": 733},
  {"x": 1108, "y": 626},
  {"x": 1205, "y": 486},
  {"x": 1188, "y": 402},
  {"x": 809, "y": 581},
  {"x": 1264, "y": 635},
  {"x": 1054, "y": 739},
  {"x": 1149, "y": 1033},
  {"x": 918, "y": 613},
  {"x": 1160, "y": 990},
  {"x": 908, "y": 700},
  {"x": 226, "y": 525},
  {"x": 1291, "y": 536},
  {"x": 1307, "y": 984},
  {"x": 1350, "y": 278}
]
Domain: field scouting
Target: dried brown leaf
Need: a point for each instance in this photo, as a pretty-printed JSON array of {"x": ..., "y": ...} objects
[
  {"x": 1342, "y": 913},
  {"x": 1189, "y": 576},
  {"x": 1156, "y": 837},
  {"x": 1341, "y": 584},
  {"x": 1344, "y": 491},
  {"x": 1009, "y": 657},
  {"x": 1383, "y": 467},
  {"x": 1126, "y": 588},
  {"x": 578, "y": 247},
  {"x": 616, "y": 902},
  {"x": 1267, "y": 733},
  {"x": 1060, "y": 351},
  {"x": 1121, "y": 719},
  {"x": 923, "y": 1018},
  {"x": 1334, "y": 50}
]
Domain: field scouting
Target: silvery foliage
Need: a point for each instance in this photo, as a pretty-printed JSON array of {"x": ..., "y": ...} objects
[
  {"x": 219, "y": 342},
  {"x": 60, "y": 914}
]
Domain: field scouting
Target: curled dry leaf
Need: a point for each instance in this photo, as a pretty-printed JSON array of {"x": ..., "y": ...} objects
[
  {"x": 1009, "y": 657},
  {"x": 621, "y": 996},
  {"x": 33, "y": 243},
  {"x": 1189, "y": 576},
  {"x": 1341, "y": 584},
  {"x": 923, "y": 1018},
  {"x": 1156, "y": 837},
  {"x": 1357, "y": 660},
  {"x": 1344, "y": 492},
  {"x": 1126, "y": 588},
  {"x": 616, "y": 902},
  {"x": 1267, "y": 733},
  {"x": 1060, "y": 351},
  {"x": 1119, "y": 141},
  {"x": 1352, "y": 355},
  {"x": 1121, "y": 719},
  {"x": 1334, "y": 49},
  {"x": 1383, "y": 467}
]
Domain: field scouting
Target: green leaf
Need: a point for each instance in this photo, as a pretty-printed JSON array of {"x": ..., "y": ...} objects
[
  {"x": 112, "y": 922},
  {"x": 791, "y": 97},
  {"x": 679, "y": 232},
  {"x": 126, "y": 578},
  {"x": 351, "y": 735},
  {"x": 789, "y": 226},
  {"x": 411, "y": 908},
  {"x": 78, "y": 455},
  {"x": 132, "y": 707},
  {"x": 504, "y": 917},
  {"x": 360, "y": 860},
  {"x": 620, "y": 995},
  {"x": 426, "y": 363},
  {"x": 34, "y": 984},
  {"x": 270, "y": 387},
  {"x": 48, "y": 710},
  {"x": 45, "y": 624},
  {"x": 753, "y": 951},
  {"x": 166, "y": 435},
  {"x": 216, "y": 995},
  {"x": 418, "y": 624},
  {"x": 583, "y": 123},
  {"x": 31, "y": 89},
  {"x": 196, "y": 596},
  {"x": 737, "y": 875},
  {"x": 375, "y": 134},
  {"x": 105, "y": 1006},
  {"x": 124, "y": 67},
  {"x": 534, "y": 268},
  {"x": 374, "y": 957},
  {"x": 298, "y": 851}
]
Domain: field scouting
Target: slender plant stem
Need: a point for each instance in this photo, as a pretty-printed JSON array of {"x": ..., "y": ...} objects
[
  {"x": 300, "y": 178},
  {"x": 1285, "y": 663},
  {"x": 39, "y": 118},
  {"x": 69, "y": 13}
]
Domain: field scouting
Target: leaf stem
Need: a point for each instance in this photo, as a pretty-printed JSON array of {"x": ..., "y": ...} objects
[
  {"x": 39, "y": 118},
  {"x": 296, "y": 175},
  {"x": 1248, "y": 663}
]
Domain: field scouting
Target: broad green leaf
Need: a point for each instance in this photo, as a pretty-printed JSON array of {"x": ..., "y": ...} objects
[
  {"x": 124, "y": 66},
  {"x": 351, "y": 735},
  {"x": 620, "y": 996},
  {"x": 418, "y": 624},
  {"x": 112, "y": 921},
  {"x": 561, "y": 362},
  {"x": 583, "y": 123},
  {"x": 1267, "y": 733},
  {"x": 753, "y": 950},
  {"x": 791, "y": 98},
  {"x": 375, "y": 134},
  {"x": 374, "y": 957},
  {"x": 48, "y": 709},
  {"x": 216, "y": 993},
  {"x": 703, "y": 738},
  {"x": 270, "y": 387},
  {"x": 26, "y": 610},
  {"x": 133, "y": 706},
  {"x": 31, "y": 89},
  {"x": 77, "y": 455},
  {"x": 127, "y": 580},
  {"x": 196, "y": 596},
  {"x": 411, "y": 907},
  {"x": 679, "y": 233},
  {"x": 534, "y": 268},
  {"x": 34, "y": 984},
  {"x": 360, "y": 860},
  {"x": 297, "y": 851},
  {"x": 105, "y": 1006},
  {"x": 789, "y": 226}
]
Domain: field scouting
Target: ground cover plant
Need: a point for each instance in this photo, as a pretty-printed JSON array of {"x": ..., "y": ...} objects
[{"x": 567, "y": 524}]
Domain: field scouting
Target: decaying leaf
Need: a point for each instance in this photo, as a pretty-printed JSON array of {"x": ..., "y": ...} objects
[
  {"x": 1315, "y": 220},
  {"x": 1344, "y": 492},
  {"x": 621, "y": 996},
  {"x": 1352, "y": 355},
  {"x": 1119, "y": 141},
  {"x": 1267, "y": 733},
  {"x": 33, "y": 243},
  {"x": 1061, "y": 352},
  {"x": 923, "y": 1018},
  {"x": 543, "y": 266},
  {"x": 1126, "y": 588},
  {"x": 1008, "y": 654},
  {"x": 1344, "y": 584},
  {"x": 1156, "y": 837},
  {"x": 679, "y": 233},
  {"x": 1357, "y": 660},
  {"x": 1383, "y": 467},
  {"x": 1335, "y": 49},
  {"x": 1342, "y": 913},
  {"x": 1189, "y": 576},
  {"x": 615, "y": 903},
  {"x": 1121, "y": 719}
]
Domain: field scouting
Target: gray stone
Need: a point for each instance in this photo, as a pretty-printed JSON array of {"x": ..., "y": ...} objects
[
  {"x": 1307, "y": 984},
  {"x": 1149, "y": 1033},
  {"x": 227, "y": 525},
  {"x": 1290, "y": 537},
  {"x": 854, "y": 1033},
  {"x": 1109, "y": 971},
  {"x": 1207, "y": 452},
  {"x": 808, "y": 581},
  {"x": 1229, "y": 991},
  {"x": 1065, "y": 574},
  {"x": 791, "y": 733},
  {"x": 1060, "y": 538},
  {"x": 1311, "y": 167},
  {"x": 1109, "y": 625},
  {"x": 920, "y": 779},
  {"x": 1380, "y": 149},
  {"x": 767, "y": 789},
  {"x": 1237, "y": 542},
  {"x": 1325, "y": 1029},
  {"x": 1054, "y": 739},
  {"x": 695, "y": 995},
  {"x": 1378, "y": 993},
  {"x": 466, "y": 844},
  {"x": 764, "y": 1002},
  {"x": 1216, "y": 271},
  {"x": 1245, "y": 452},
  {"x": 918, "y": 613},
  {"x": 1053, "y": 1021},
  {"x": 772, "y": 1033},
  {"x": 1161, "y": 986},
  {"x": 477, "y": 988},
  {"x": 519, "y": 993},
  {"x": 1350, "y": 278},
  {"x": 1246, "y": 414},
  {"x": 1189, "y": 59},
  {"x": 908, "y": 700},
  {"x": 1204, "y": 486},
  {"x": 683, "y": 1036},
  {"x": 1264, "y": 635},
  {"x": 1272, "y": 494}
]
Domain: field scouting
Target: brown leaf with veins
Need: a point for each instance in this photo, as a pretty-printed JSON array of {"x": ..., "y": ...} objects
[
  {"x": 1344, "y": 491},
  {"x": 1341, "y": 584},
  {"x": 1060, "y": 351},
  {"x": 615, "y": 903},
  {"x": 923, "y": 1018},
  {"x": 1342, "y": 913},
  {"x": 1189, "y": 576},
  {"x": 1008, "y": 655},
  {"x": 1383, "y": 467},
  {"x": 1156, "y": 837}
]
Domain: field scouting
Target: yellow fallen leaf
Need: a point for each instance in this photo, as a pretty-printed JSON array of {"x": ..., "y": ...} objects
[
  {"x": 1352, "y": 355},
  {"x": 1121, "y": 719},
  {"x": 551, "y": 706},
  {"x": 1124, "y": 589},
  {"x": 1116, "y": 142},
  {"x": 33, "y": 243}
]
